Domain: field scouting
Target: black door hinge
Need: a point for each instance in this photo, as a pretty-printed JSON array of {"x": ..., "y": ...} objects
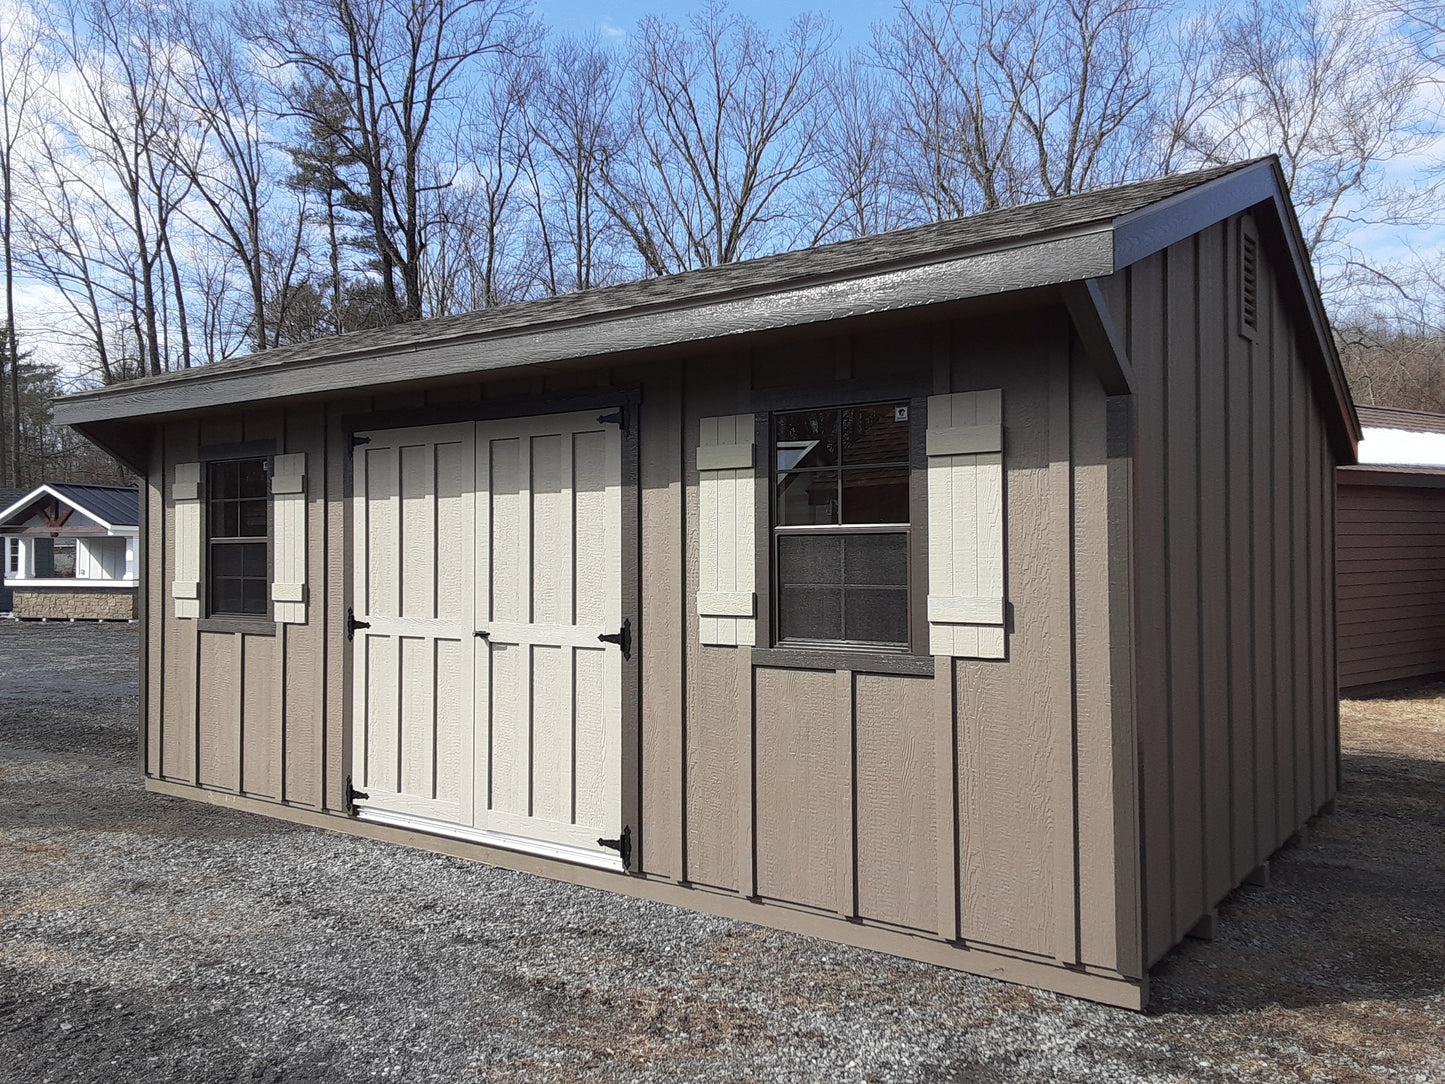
[
  {"x": 622, "y": 638},
  {"x": 351, "y": 794},
  {"x": 622, "y": 846},
  {"x": 357, "y": 440},
  {"x": 352, "y": 624},
  {"x": 618, "y": 418}
]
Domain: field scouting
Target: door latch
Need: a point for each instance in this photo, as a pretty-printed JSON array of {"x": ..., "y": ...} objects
[
  {"x": 622, "y": 846},
  {"x": 622, "y": 638},
  {"x": 352, "y": 624}
]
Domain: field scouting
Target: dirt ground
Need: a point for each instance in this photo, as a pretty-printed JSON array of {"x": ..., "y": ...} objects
[{"x": 151, "y": 938}]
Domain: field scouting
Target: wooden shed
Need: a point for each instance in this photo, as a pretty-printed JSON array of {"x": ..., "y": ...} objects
[
  {"x": 963, "y": 592},
  {"x": 1391, "y": 544}
]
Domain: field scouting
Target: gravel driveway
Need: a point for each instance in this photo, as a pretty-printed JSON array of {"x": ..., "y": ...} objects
[{"x": 150, "y": 938}]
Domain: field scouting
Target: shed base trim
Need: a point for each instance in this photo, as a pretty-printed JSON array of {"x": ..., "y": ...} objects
[
  {"x": 561, "y": 852},
  {"x": 1106, "y": 988}
]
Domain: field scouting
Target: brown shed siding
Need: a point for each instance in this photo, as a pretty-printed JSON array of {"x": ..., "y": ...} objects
[
  {"x": 1234, "y": 600},
  {"x": 1391, "y": 545}
]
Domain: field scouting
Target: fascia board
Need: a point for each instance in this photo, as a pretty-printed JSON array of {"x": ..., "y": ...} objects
[{"x": 1047, "y": 261}]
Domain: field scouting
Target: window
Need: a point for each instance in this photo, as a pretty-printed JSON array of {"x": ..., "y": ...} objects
[
  {"x": 238, "y": 533},
  {"x": 12, "y": 557},
  {"x": 841, "y": 526}
]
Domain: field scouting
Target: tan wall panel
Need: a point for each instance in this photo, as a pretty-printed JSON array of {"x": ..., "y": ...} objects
[
  {"x": 1015, "y": 716},
  {"x": 179, "y": 637},
  {"x": 155, "y": 585},
  {"x": 664, "y": 620},
  {"x": 305, "y": 644},
  {"x": 716, "y": 759},
  {"x": 897, "y": 792},
  {"x": 218, "y": 679},
  {"x": 1094, "y": 682},
  {"x": 261, "y": 715},
  {"x": 801, "y": 777}
]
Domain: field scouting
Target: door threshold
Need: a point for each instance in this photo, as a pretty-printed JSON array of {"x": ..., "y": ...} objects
[{"x": 506, "y": 840}]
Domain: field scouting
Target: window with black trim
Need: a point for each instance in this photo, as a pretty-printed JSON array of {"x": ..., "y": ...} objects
[
  {"x": 840, "y": 514},
  {"x": 238, "y": 538}
]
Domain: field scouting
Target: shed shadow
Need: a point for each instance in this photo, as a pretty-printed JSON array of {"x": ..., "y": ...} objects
[{"x": 1352, "y": 914}]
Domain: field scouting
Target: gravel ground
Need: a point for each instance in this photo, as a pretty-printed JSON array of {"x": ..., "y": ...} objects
[{"x": 150, "y": 938}]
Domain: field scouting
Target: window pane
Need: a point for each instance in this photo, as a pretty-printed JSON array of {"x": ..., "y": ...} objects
[
  {"x": 872, "y": 435},
  {"x": 876, "y": 615},
  {"x": 228, "y": 561},
  {"x": 223, "y": 519},
  {"x": 806, "y": 438},
  {"x": 810, "y": 613},
  {"x": 222, "y": 481},
  {"x": 225, "y": 595},
  {"x": 253, "y": 596},
  {"x": 875, "y": 560},
  {"x": 252, "y": 519},
  {"x": 876, "y": 495},
  {"x": 253, "y": 559},
  {"x": 807, "y": 497},
  {"x": 810, "y": 559},
  {"x": 252, "y": 477}
]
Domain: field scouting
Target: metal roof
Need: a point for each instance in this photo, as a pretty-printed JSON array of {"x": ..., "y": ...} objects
[
  {"x": 112, "y": 506},
  {"x": 1413, "y": 421}
]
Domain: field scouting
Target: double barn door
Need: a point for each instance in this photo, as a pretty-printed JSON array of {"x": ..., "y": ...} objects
[{"x": 487, "y": 563}]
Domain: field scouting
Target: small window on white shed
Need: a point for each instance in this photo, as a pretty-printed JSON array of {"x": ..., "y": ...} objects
[{"x": 12, "y": 557}]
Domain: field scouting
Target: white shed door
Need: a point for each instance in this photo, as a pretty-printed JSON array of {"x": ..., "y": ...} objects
[
  {"x": 506, "y": 703},
  {"x": 414, "y": 583}
]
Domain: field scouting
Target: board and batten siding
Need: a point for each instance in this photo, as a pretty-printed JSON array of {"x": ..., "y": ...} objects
[
  {"x": 1390, "y": 534},
  {"x": 1237, "y": 720}
]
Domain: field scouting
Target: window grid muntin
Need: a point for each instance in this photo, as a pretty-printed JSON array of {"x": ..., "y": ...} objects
[
  {"x": 238, "y": 573},
  {"x": 901, "y": 461}
]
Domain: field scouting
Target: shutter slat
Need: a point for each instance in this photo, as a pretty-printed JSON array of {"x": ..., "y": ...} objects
[
  {"x": 288, "y": 519},
  {"x": 186, "y": 496},
  {"x": 727, "y": 548},
  {"x": 965, "y": 525}
]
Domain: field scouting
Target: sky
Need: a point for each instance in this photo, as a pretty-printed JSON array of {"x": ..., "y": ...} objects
[{"x": 614, "y": 18}]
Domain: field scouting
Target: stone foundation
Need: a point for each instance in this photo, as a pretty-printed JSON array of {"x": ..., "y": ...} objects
[{"x": 76, "y": 603}]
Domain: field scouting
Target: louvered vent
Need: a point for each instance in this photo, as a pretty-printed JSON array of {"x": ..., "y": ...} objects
[{"x": 1248, "y": 279}]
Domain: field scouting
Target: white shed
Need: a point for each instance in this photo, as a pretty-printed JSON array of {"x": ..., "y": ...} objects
[{"x": 70, "y": 552}]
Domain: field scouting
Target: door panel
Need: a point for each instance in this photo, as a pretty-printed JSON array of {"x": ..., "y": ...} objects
[
  {"x": 551, "y": 531},
  {"x": 414, "y": 506},
  {"x": 512, "y": 530}
]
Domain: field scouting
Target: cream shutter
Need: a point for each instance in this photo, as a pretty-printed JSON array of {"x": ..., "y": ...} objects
[
  {"x": 288, "y": 522},
  {"x": 965, "y": 525},
  {"x": 186, "y": 496},
  {"x": 726, "y": 591}
]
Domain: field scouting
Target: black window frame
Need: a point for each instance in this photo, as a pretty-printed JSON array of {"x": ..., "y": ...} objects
[
  {"x": 911, "y": 530},
  {"x": 214, "y": 618}
]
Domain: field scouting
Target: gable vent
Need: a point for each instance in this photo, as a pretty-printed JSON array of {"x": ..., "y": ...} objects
[{"x": 1248, "y": 279}]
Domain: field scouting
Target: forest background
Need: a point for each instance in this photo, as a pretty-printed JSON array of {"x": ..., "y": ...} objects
[{"x": 186, "y": 183}]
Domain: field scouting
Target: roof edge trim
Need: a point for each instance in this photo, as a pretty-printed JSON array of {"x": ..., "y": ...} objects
[{"x": 45, "y": 487}]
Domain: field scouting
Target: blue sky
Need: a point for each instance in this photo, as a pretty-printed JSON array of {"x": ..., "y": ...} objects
[{"x": 611, "y": 17}]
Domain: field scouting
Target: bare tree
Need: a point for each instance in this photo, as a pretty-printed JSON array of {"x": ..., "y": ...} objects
[
  {"x": 20, "y": 85},
  {"x": 726, "y": 121},
  {"x": 121, "y": 146},
  {"x": 572, "y": 120},
  {"x": 403, "y": 69},
  {"x": 855, "y": 189},
  {"x": 1331, "y": 90}
]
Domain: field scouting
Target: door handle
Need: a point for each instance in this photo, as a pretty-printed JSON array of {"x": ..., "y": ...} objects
[{"x": 483, "y": 634}]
